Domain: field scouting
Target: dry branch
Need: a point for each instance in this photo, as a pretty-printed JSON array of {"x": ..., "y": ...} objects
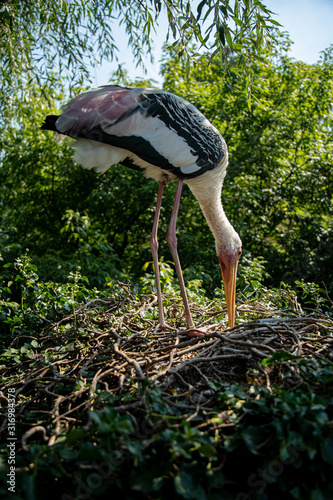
[{"x": 112, "y": 348}]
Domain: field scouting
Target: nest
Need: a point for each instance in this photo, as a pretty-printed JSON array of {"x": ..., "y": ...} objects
[{"x": 112, "y": 348}]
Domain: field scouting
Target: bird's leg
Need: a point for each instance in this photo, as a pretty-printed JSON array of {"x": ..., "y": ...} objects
[
  {"x": 172, "y": 242},
  {"x": 154, "y": 250}
]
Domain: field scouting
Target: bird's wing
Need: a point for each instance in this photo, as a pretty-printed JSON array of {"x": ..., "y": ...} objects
[
  {"x": 158, "y": 127},
  {"x": 101, "y": 107}
]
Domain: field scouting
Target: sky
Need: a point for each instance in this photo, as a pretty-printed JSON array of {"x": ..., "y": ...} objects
[{"x": 309, "y": 23}]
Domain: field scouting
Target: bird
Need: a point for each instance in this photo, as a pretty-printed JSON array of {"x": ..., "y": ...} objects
[{"x": 169, "y": 140}]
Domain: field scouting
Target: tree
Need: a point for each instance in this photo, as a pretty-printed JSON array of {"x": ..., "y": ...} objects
[
  {"x": 40, "y": 40},
  {"x": 278, "y": 190}
]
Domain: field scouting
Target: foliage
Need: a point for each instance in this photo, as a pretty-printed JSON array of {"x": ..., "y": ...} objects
[
  {"x": 44, "y": 204},
  {"x": 274, "y": 196},
  {"x": 140, "y": 439},
  {"x": 41, "y": 39},
  {"x": 171, "y": 456},
  {"x": 278, "y": 190}
]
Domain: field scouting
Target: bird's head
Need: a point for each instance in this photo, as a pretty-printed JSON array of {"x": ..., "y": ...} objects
[{"x": 229, "y": 258}]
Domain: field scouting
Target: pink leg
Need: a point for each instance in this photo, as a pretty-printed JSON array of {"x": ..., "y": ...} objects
[
  {"x": 172, "y": 242},
  {"x": 154, "y": 250}
]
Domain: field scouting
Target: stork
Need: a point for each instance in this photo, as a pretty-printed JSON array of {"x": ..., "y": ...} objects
[{"x": 169, "y": 140}]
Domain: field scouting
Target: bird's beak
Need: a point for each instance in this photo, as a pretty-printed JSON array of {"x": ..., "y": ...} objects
[{"x": 229, "y": 264}]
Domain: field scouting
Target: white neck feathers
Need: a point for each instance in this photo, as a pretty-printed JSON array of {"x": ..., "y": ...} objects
[{"x": 207, "y": 189}]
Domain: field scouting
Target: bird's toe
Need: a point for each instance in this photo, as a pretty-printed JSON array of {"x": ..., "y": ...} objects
[{"x": 194, "y": 332}]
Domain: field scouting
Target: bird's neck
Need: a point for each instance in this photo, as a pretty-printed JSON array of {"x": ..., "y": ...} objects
[
  {"x": 218, "y": 223},
  {"x": 208, "y": 195}
]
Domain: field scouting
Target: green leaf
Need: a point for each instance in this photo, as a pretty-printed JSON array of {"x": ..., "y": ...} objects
[
  {"x": 327, "y": 450},
  {"x": 221, "y": 35},
  {"x": 74, "y": 435},
  {"x": 207, "y": 450},
  {"x": 200, "y": 7},
  {"x": 68, "y": 453},
  {"x": 253, "y": 437},
  {"x": 278, "y": 356},
  {"x": 184, "y": 484}
]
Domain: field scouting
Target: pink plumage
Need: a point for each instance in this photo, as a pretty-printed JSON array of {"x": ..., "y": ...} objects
[{"x": 98, "y": 107}]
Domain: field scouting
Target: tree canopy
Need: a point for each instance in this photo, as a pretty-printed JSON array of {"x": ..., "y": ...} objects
[
  {"x": 277, "y": 191},
  {"x": 40, "y": 40}
]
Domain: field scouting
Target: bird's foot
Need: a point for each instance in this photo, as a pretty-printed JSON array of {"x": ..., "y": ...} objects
[
  {"x": 195, "y": 332},
  {"x": 190, "y": 332},
  {"x": 162, "y": 326}
]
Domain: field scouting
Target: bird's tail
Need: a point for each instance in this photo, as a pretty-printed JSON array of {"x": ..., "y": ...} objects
[{"x": 50, "y": 123}]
